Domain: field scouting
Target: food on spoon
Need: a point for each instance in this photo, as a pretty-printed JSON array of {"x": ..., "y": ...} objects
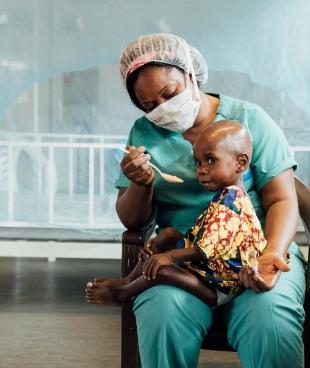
[{"x": 172, "y": 178}]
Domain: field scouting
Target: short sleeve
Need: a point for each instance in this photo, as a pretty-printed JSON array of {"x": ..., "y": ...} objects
[
  {"x": 189, "y": 237},
  {"x": 271, "y": 152},
  {"x": 219, "y": 232},
  {"x": 122, "y": 180}
]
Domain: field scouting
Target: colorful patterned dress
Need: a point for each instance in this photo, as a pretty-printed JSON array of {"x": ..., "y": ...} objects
[{"x": 224, "y": 233}]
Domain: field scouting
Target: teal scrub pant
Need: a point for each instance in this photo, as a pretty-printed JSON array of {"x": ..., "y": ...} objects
[{"x": 265, "y": 329}]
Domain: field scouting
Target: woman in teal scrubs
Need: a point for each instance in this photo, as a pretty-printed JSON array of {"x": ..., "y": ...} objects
[{"x": 162, "y": 75}]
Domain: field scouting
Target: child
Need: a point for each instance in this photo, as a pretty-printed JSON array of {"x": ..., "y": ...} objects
[{"x": 224, "y": 238}]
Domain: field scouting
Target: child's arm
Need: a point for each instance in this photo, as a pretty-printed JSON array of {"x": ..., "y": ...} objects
[
  {"x": 164, "y": 241},
  {"x": 171, "y": 257}
]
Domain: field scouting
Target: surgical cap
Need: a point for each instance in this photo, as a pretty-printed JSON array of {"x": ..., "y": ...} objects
[{"x": 163, "y": 48}]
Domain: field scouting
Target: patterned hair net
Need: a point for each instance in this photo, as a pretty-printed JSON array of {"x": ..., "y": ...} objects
[{"x": 163, "y": 48}]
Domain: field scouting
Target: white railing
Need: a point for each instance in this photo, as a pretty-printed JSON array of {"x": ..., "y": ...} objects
[
  {"x": 70, "y": 139},
  {"x": 65, "y": 137},
  {"x": 37, "y": 143},
  {"x": 296, "y": 149},
  {"x": 94, "y": 144}
]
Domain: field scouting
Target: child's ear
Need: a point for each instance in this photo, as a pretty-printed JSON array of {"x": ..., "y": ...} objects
[{"x": 242, "y": 162}]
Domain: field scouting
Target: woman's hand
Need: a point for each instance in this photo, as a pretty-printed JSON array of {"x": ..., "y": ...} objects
[
  {"x": 134, "y": 166},
  {"x": 270, "y": 264},
  {"x": 280, "y": 203},
  {"x": 153, "y": 264}
]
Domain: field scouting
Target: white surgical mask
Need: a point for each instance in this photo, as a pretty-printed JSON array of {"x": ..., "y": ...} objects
[{"x": 177, "y": 114}]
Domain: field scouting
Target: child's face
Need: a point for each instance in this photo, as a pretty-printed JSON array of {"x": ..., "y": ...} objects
[{"x": 216, "y": 165}]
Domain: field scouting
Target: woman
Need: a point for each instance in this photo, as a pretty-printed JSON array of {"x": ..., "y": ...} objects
[{"x": 162, "y": 75}]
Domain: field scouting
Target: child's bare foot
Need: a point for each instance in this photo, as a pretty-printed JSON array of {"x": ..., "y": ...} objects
[
  {"x": 104, "y": 294},
  {"x": 111, "y": 282}
]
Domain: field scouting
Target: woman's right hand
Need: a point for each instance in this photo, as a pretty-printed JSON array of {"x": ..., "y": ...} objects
[{"x": 135, "y": 166}]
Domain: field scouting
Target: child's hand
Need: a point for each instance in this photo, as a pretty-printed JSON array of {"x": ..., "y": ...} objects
[
  {"x": 152, "y": 264},
  {"x": 164, "y": 241},
  {"x": 146, "y": 251},
  {"x": 252, "y": 260}
]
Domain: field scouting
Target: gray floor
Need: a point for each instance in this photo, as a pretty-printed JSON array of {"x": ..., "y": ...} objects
[{"x": 45, "y": 322}]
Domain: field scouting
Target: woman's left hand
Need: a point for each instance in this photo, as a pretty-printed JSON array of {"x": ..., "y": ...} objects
[{"x": 269, "y": 266}]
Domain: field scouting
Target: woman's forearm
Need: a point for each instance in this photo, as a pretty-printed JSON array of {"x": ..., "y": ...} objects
[
  {"x": 134, "y": 205},
  {"x": 280, "y": 202},
  {"x": 280, "y": 226}
]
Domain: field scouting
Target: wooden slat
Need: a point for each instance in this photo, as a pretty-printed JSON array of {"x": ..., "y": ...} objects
[{"x": 130, "y": 351}]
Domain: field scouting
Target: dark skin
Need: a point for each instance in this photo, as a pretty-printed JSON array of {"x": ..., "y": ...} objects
[
  {"x": 154, "y": 86},
  {"x": 280, "y": 201},
  {"x": 153, "y": 269},
  {"x": 171, "y": 275},
  {"x": 222, "y": 152},
  {"x": 218, "y": 165},
  {"x": 278, "y": 196},
  {"x": 164, "y": 241}
]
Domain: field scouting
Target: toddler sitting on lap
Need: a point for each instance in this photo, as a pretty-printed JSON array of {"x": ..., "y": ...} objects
[{"x": 225, "y": 237}]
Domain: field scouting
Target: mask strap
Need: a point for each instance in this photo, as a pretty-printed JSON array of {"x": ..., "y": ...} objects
[{"x": 190, "y": 70}]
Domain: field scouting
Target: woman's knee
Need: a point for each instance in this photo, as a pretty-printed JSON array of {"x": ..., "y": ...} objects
[
  {"x": 268, "y": 323},
  {"x": 165, "y": 305},
  {"x": 171, "y": 325}
]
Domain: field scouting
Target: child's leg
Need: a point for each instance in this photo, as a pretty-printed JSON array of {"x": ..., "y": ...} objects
[
  {"x": 166, "y": 240},
  {"x": 179, "y": 277},
  {"x": 135, "y": 273}
]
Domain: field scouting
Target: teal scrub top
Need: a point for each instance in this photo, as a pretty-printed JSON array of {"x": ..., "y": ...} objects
[{"x": 178, "y": 205}]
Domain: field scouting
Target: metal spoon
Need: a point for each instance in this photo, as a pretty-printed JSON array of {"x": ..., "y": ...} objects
[{"x": 167, "y": 177}]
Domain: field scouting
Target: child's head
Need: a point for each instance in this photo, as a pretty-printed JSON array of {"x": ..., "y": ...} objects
[{"x": 222, "y": 152}]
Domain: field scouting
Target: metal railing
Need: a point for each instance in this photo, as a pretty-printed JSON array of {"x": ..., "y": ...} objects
[{"x": 16, "y": 143}]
